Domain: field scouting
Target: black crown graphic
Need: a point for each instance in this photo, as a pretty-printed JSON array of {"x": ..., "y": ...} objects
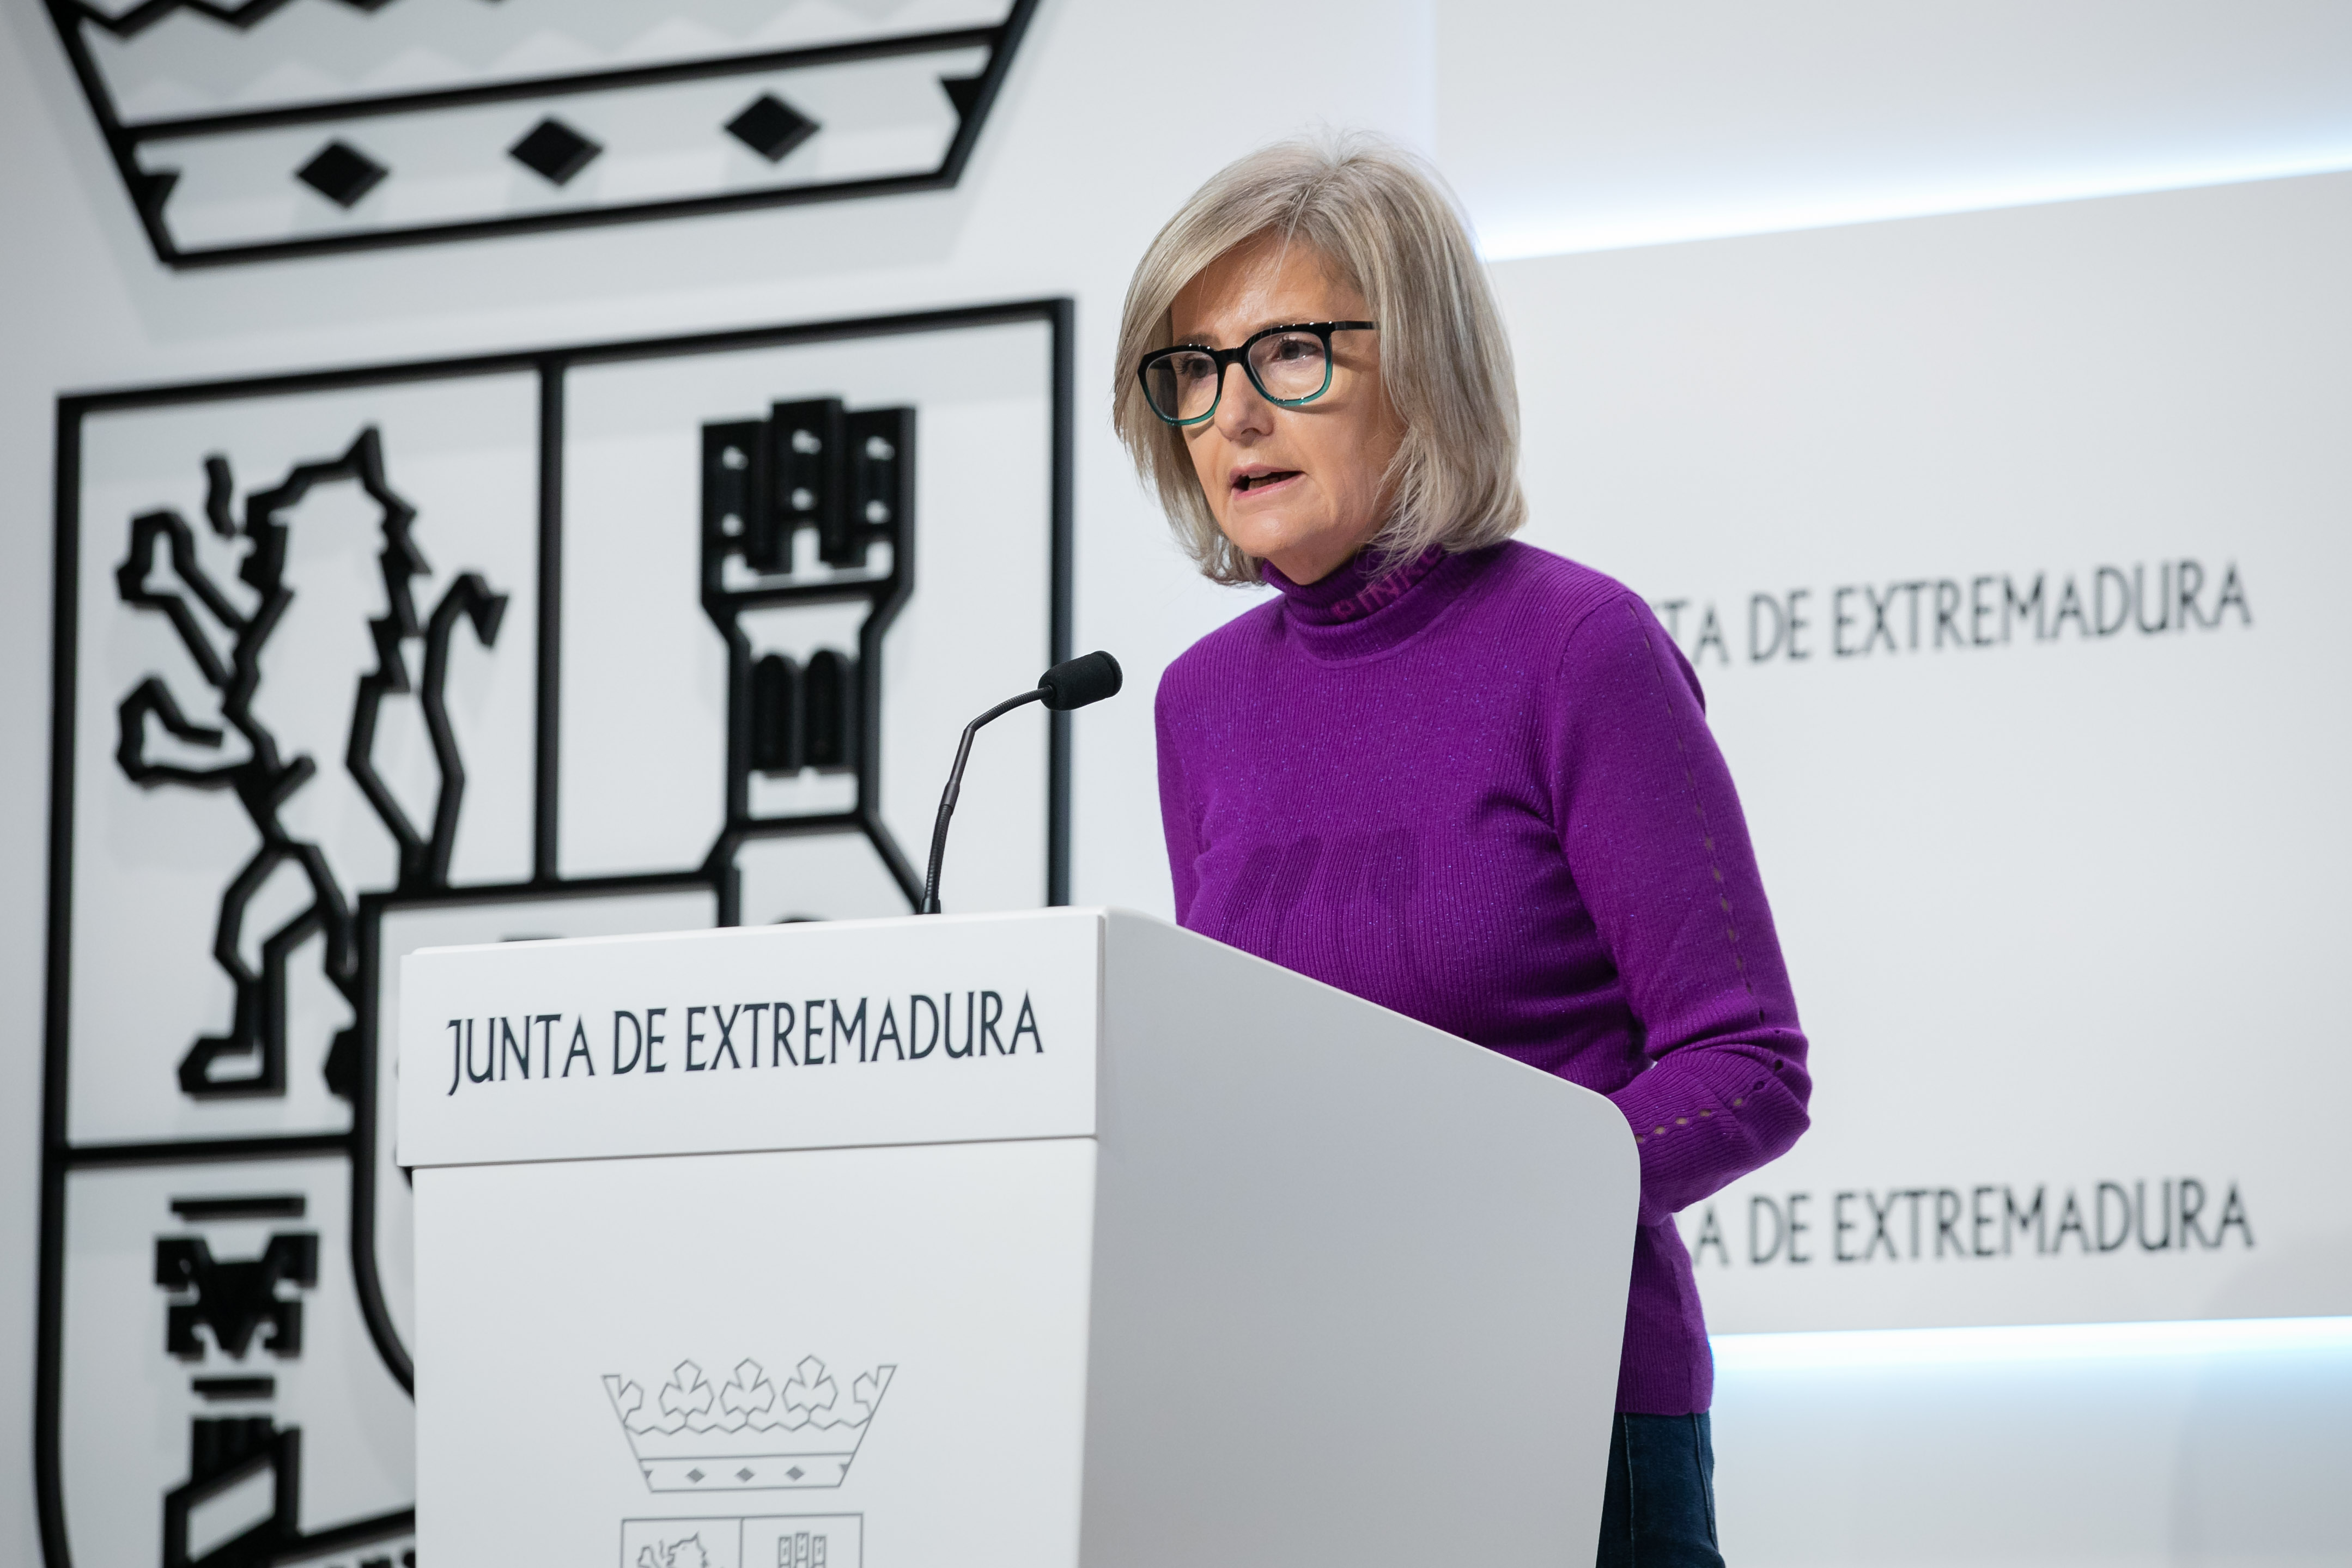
[
  {"x": 246, "y": 129},
  {"x": 750, "y": 1434}
]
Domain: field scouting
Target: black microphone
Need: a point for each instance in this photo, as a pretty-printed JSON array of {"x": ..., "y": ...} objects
[
  {"x": 1071, "y": 684},
  {"x": 1087, "y": 679}
]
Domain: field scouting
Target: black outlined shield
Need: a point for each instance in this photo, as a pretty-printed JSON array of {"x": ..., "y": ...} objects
[{"x": 581, "y": 642}]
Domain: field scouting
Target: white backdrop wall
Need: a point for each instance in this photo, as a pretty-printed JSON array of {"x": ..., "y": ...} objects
[
  {"x": 1068, "y": 183},
  {"x": 2051, "y": 882},
  {"x": 1578, "y": 127},
  {"x": 2005, "y": 545}
]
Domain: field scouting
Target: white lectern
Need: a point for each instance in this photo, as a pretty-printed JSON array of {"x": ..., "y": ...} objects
[{"x": 1022, "y": 1240}]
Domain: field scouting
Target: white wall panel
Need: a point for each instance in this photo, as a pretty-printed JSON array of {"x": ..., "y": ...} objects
[
  {"x": 1981, "y": 1447},
  {"x": 1586, "y": 127},
  {"x": 2050, "y": 886}
]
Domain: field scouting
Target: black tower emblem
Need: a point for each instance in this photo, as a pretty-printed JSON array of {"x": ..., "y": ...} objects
[{"x": 813, "y": 505}]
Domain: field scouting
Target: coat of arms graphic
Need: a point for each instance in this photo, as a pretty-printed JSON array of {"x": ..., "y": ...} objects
[{"x": 588, "y": 641}]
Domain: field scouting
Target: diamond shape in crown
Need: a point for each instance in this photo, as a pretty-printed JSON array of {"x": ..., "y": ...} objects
[{"x": 749, "y": 1434}]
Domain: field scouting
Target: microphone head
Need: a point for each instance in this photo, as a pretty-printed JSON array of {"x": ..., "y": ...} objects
[{"x": 1089, "y": 678}]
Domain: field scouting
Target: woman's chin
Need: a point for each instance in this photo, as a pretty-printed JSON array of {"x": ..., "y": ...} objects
[{"x": 1269, "y": 535}]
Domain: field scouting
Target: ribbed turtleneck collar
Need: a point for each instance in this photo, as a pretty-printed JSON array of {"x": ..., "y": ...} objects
[{"x": 1357, "y": 611}]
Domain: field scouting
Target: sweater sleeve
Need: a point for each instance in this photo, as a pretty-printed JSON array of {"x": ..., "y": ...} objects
[
  {"x": 1178, "y": 821},
  {"x": 1654, "y": 838}
]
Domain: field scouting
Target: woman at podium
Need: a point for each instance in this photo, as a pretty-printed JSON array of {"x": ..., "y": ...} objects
[{"x": 1456, "y": 775}]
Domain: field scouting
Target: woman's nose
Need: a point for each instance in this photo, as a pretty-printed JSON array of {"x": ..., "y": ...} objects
[{"x": 1240, "y": 410}]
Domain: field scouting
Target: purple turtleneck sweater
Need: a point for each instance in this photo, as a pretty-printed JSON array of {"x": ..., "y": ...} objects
[{"x": 1480, "y": 790}]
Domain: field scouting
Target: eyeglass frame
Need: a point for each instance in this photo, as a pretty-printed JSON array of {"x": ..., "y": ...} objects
[{"x": 1225, "y": 358}]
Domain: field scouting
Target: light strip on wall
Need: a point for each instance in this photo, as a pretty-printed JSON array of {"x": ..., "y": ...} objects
[
  {"x": 1532, "y": 227},
  {"x": 1845, "y": 1349}
]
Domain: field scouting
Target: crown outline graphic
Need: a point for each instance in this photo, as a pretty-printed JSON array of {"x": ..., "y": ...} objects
[
  {"x": 748, "y": 1435},
  {"x": 205, "y": 144}
]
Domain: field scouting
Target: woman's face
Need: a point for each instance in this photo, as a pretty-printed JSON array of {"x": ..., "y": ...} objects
[{"x": 1304, "y": 487}]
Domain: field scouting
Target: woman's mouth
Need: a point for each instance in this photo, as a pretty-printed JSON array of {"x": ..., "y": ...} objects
[{"x": 1250, "y": 483}]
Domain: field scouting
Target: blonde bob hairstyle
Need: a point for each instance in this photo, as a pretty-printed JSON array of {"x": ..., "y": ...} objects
[{"x": 1385, "y": 223}]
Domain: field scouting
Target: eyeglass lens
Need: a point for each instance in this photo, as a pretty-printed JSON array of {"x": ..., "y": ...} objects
[{"x": 1289, "y": 367}]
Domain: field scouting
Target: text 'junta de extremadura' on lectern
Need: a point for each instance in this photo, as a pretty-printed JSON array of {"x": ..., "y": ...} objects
[{"x": 706, "y": 1038}]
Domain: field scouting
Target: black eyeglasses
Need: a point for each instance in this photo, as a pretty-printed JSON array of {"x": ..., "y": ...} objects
[{"x": 1289, "y": 366}]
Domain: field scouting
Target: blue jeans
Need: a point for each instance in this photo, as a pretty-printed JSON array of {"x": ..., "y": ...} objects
[{"x": 1659, "y": 1509}]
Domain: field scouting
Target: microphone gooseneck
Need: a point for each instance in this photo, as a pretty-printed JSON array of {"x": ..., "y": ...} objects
[
  {"x": 955, "y": 786},
  {"x": 1071, "y": 684}
]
